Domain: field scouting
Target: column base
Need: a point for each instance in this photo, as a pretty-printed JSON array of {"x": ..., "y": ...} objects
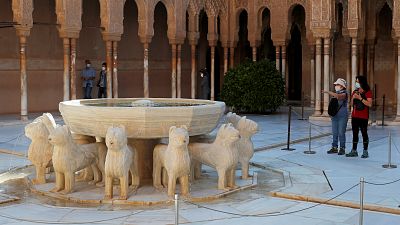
[{"x": 24, "y": 117}]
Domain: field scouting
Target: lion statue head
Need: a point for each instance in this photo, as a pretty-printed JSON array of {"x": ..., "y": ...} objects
[
  {"x": 247, "y": 127},
  {"x": 178, "y": 136},
  {"x": 227, "y": 134},
  {"x": 61, "y": 135},
  {"x": 116, "y": 137}
]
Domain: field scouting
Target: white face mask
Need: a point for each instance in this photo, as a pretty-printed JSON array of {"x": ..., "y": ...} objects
[
  {"x": 338, "y": 88},
  {"x": 103, "y": 68},
  {"x": 88, "y": 65},
  {"x": 357, "y": 85},
  {"x": 201, "y": 74}
]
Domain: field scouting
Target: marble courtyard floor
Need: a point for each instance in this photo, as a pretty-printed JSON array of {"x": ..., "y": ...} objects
[{"x": 287, "y": 184}]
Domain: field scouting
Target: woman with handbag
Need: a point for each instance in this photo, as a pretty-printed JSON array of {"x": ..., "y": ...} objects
[
  {"x": 339, "y": 117},
  {"x": 361, "y": 99}
]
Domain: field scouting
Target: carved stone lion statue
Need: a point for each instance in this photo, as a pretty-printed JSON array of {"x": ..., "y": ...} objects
[
  {"x": 174, "y": 159},
  {"x": 69, "y": 157},
  {"x": 120, "y": 160},
  {"x": 247, "y": 128},
  {"x": 222, "y": 155},
  {"x": 40, "y": 150}
]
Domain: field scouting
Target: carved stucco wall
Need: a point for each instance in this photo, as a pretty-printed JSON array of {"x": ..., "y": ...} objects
[
  {"x": 22, "y": 13},
  {"x": 69, "y": 13}
]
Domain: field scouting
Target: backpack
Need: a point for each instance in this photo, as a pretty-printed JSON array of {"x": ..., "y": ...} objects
[{"x": 333, "y": 107}]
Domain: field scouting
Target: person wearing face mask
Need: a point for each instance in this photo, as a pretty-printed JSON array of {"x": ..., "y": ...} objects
[
  {"x": 88, "y": 74},
  {"x": 339, "y": 121},
  {"x": 361, "y": 101},
  {"x": 102, "y": 83}
]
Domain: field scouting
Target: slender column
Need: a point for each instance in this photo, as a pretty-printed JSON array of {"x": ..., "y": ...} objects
[
  {"x": 173, "y": 76},
  {"x": 146, "y": 70},
  {"x": 254, "y": 54},
  {"x": 179, "y": 72},
  {"x": 226, "y": 55},
  {"x": 115, "y": 69},
  {"x": 353, "y": 62},
  {"x": 193, "y": 74},
  {"x": 398, "y": 81},
  {"x": 362, "y": 59},
  {"x": 212, "y": 72},
  {"x": 326, "y": 74},
  {"x": 318, "y": 49},
  {"x": 312, "y": 74},
  {"x": 66, "y": 77},
  {"x": 73, "y": 68},
  {"x": 109, "y": 68},
  {"x": 348, "y": 70},
  {"x": 232, "y": 57},
  {"x": 24, "y": 84},
  {"x": 278, "y": 57},
  {"x": 284, "y": 62},
  {"x": 371, "y": 63}
]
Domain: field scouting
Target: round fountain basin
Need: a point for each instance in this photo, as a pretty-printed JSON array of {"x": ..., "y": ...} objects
[{"x": 143, "y": 118}]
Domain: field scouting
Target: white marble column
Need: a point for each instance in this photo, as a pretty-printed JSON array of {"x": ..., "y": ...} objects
[
  {"x": 284, "y": 64},
  {"x": 109, "y": 68},
  {"x": 327, "y": 42},
  {"x": 212, "y": 73},
  {"x": 348, "y": 70},
  {"x": 179, "y": 72},
  {"x": 353, "y": 62},
  {"x": 173, "y": 75},
  {"x": 232, "y": 57},
  {"x": 371, "y": 63},
  {"x": 277, "y": 57},
  {"x": 398, "y": 82},
  {"x": 73, "y": 68},
  {"x": 226, "y": 56},
  {"x": 66, "y": 77},
  {"x": 312, "y": 74},
  {"x": 318, "y": 75},
  {"x": 193, "y": 73},
  {"x": 254, "y": 49},
  {"x": 115, "y": 69},
  {"x": 24, "y": 83},
  {"x": 146, "y": 70}
]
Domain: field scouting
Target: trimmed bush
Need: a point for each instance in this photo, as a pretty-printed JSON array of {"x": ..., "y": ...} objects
[{"x": 253, "y": 87}]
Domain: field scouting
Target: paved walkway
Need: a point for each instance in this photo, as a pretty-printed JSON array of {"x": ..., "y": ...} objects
[{"x": 320, "y": 176}]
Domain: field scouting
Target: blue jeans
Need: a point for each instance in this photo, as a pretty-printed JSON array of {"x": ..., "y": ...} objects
[
  {"x": 87, "y": 91},
  {"x": 339, "y": 124}
]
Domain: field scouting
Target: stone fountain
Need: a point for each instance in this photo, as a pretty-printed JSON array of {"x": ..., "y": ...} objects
[{"x": 145, "y": 122}]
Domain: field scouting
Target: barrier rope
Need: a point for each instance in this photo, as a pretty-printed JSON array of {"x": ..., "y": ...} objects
[
  {"x": 273, "y": 213},
  {"x": 15, "y": 138},
  {"x": 60, "y": 222}
]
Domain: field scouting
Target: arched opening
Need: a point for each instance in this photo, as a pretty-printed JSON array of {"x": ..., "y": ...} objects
[
  {"x": 341, "y": 48},
  {"x": 44, "y": 59},
  {"x": 243, "y": 50},
  {"x": 295, "y": 53},
  {"x": 130, "y": 52},
  {"x": 267, "y": 48},
  {"x": 160, "y": 55},
  {"x": 384, "y": 53},
  {"x": 9, "y": 75},
  {"x": 203, "y": 51},
  {"x": 90, "y": 43}
]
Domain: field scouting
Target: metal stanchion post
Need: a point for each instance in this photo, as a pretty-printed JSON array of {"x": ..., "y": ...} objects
[
  {"x": 176, "y": 209},
  {"x": 383, "y": 110},
  {"x": 309, "y": 142},
  {"x": 302, "y": 107},
  {"x": 389, "y": 165},
  {"x": 361, "y": 201},
  {"x": 288, "y": 137}
]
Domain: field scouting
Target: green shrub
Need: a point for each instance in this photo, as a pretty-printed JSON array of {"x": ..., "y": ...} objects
[{"x": 253, "y": 87}]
